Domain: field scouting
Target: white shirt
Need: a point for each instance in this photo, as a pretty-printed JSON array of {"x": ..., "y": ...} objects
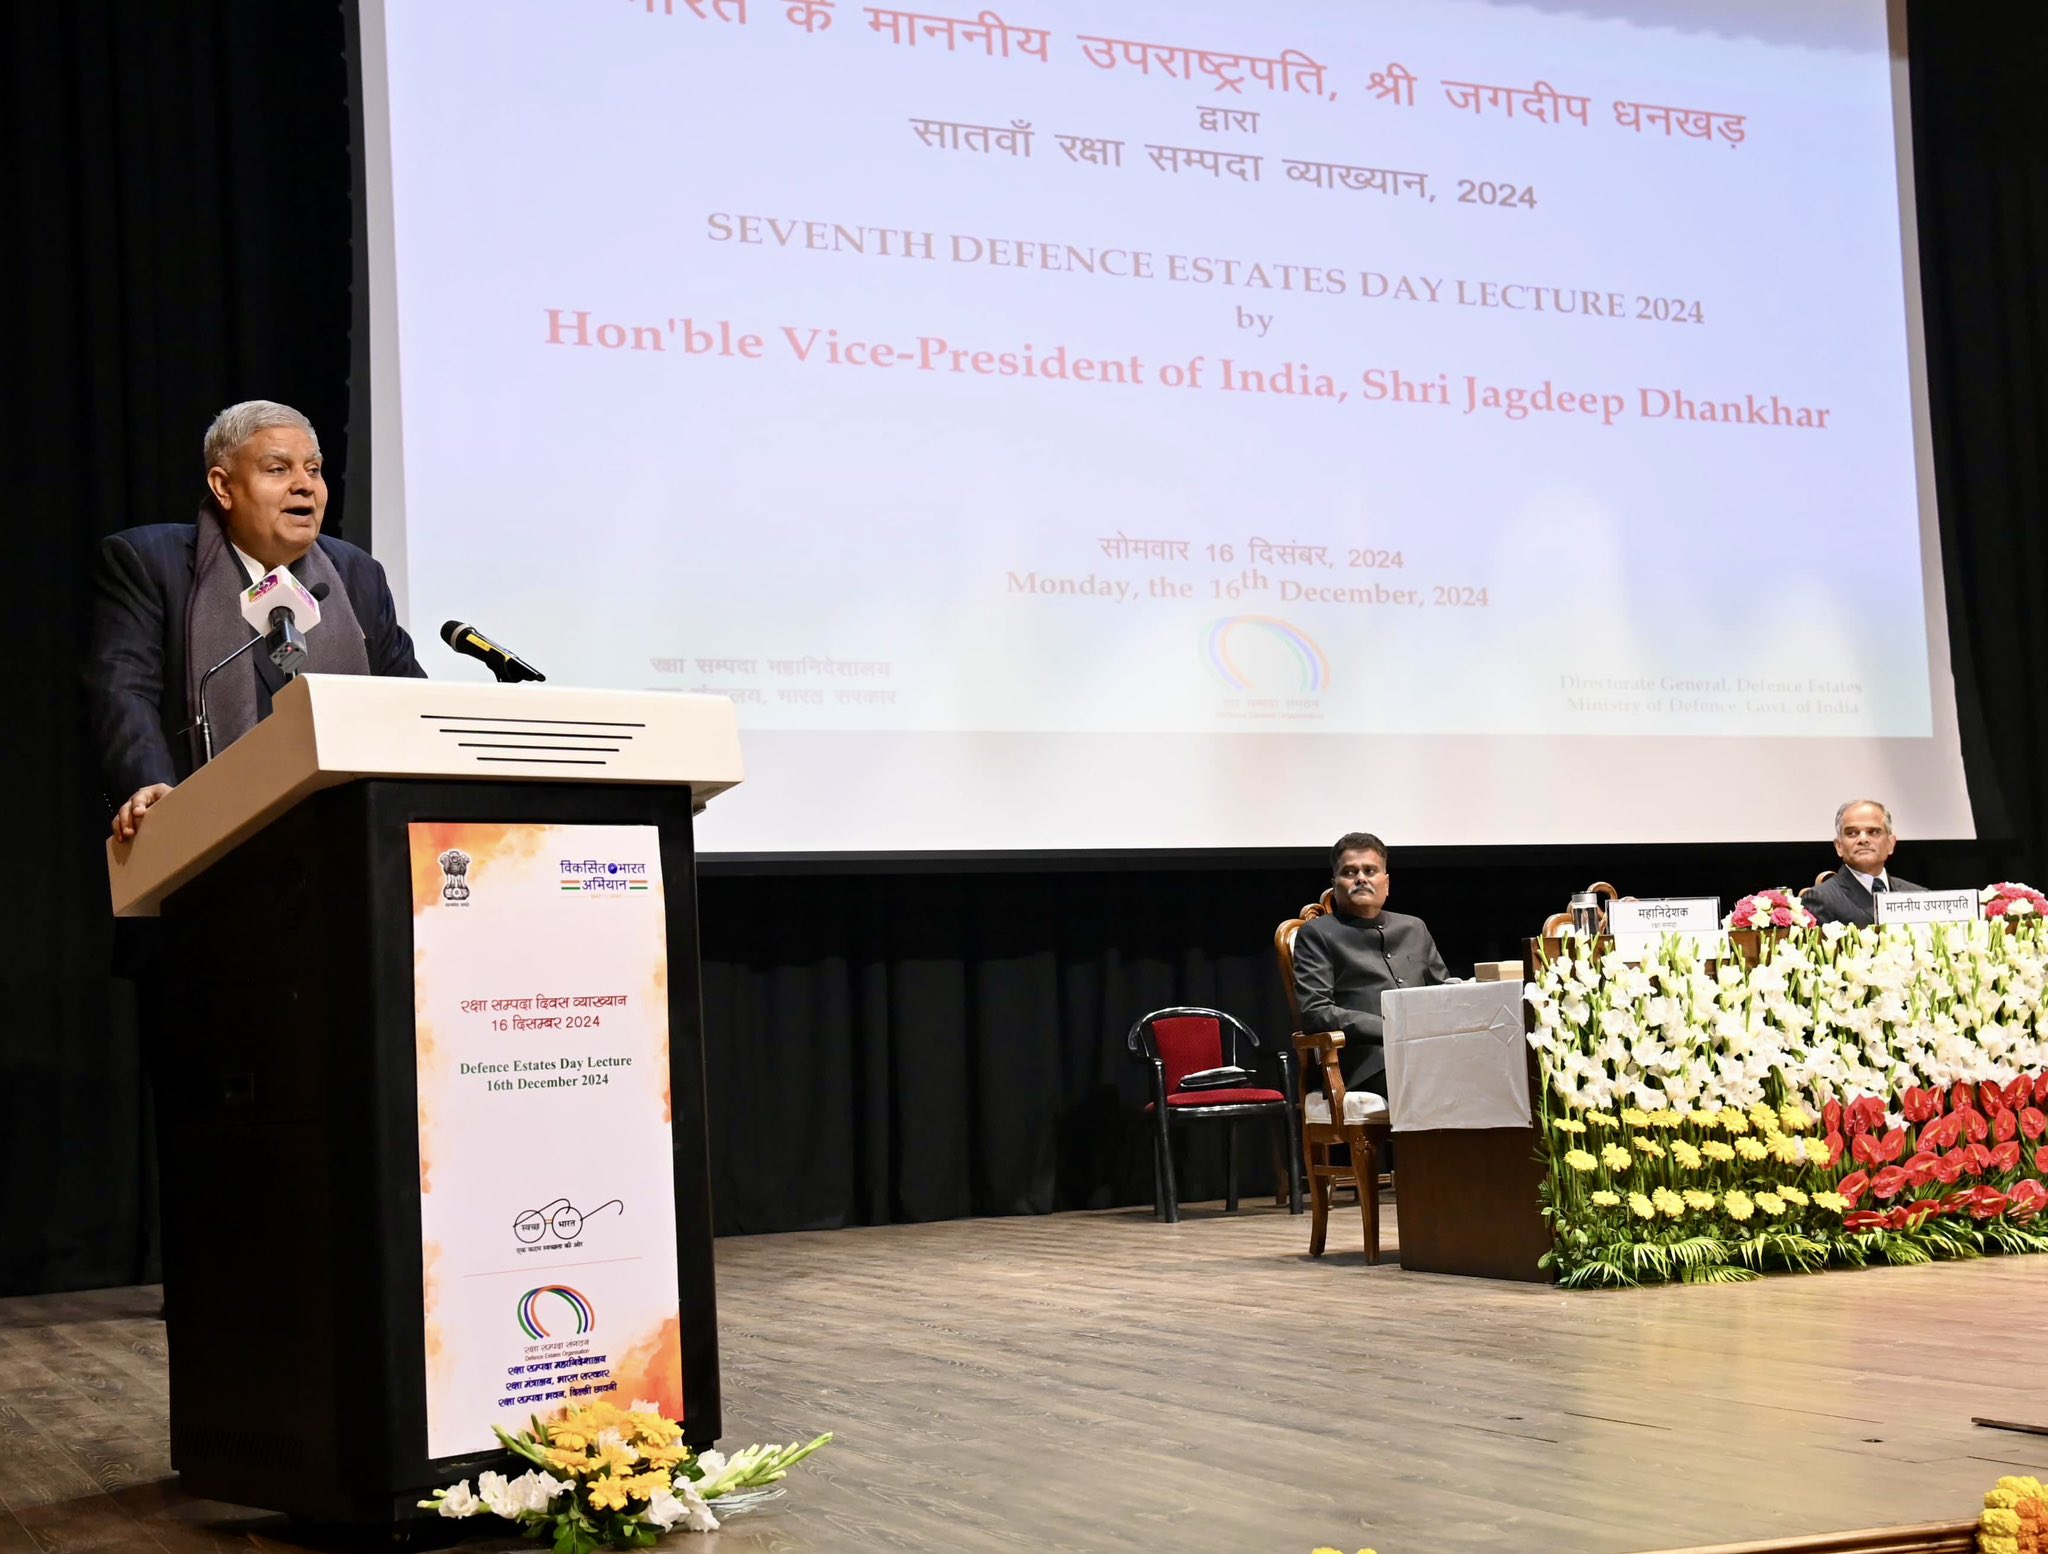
[
  {"x": 255, "y": 569},
  {"x": 1865, "y": 879}
]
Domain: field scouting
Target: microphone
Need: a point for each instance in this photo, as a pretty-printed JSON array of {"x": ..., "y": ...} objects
[
  {"x": 507, "y": 665},
  {"x": 271, "y": 605}
]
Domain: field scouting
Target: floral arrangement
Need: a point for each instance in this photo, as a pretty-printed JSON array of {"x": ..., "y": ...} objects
[
  {"x": 1778, "y": 908},
  {"x": 2009, "y": 898},
  {"x": 1855, "y": 1094},
  {"x": 610, "y": 1478},
  {"x": 2015, "y": 1519}
]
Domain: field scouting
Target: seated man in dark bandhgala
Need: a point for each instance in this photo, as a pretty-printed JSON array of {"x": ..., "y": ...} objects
[
  {"x": 1344, "y": 961},
  {"x": 167, "y": 606},
  {"x": 1864, "y": 842}
]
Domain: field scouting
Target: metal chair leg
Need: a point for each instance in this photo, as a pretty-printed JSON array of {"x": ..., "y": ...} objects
[{"x": 1230, "y": 1155}]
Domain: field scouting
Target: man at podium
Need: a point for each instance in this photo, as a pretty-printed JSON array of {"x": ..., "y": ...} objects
[
  {"x": 1344, "y": 961},
  {"x": 167, "y": 607}
]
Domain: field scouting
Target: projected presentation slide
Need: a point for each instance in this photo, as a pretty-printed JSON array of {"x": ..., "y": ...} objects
[{"x": 1184, "y": 424}]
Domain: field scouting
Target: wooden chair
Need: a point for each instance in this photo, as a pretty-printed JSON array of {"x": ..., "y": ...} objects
[
  {"x": 1362, "y": 1141},
  {"x": 1174, "y": 1043}
]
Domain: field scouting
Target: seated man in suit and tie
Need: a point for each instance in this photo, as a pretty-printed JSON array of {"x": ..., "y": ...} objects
[
  {"x": 167, "y": 605},
  {"x": 1864, "y": 842},
  {"x": 1344, "y": 961}
]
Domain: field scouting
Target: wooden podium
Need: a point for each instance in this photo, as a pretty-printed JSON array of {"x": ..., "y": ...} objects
[{"x": 296, "y": 1043}]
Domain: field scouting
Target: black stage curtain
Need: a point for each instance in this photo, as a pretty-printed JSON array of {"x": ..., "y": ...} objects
[{"x": 884, "y": 1043}]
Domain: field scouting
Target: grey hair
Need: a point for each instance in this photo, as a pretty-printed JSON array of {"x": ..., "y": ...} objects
[
  {"x": 1852, "y": 803},
  {"x": 238, "y": 423}
]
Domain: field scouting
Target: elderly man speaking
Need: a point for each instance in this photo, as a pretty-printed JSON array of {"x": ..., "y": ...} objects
[{"x": 167, "y": 607}]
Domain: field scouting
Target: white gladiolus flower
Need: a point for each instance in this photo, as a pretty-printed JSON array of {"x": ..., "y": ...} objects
[{"x": 458, "y": 1501}]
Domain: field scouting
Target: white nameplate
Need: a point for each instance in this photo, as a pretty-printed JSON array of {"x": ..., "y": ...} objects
[
  {"x": 1638, "y": 926},
  {"x": 1928, "y": 906}
]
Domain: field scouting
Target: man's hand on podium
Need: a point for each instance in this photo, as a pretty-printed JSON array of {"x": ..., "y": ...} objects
[{"x": 128, "y": 818}]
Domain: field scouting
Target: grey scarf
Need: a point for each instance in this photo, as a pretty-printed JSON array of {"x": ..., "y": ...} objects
[{"x": 214, "y": 628}]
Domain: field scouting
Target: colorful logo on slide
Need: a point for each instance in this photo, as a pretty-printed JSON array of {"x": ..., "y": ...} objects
[
  {"x": 1264, "y": 653},
  {"x": 536, "y": 1302}
]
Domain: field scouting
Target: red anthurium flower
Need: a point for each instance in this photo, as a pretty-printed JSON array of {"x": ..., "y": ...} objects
[
  {"x": 1959, "y": 1202},
  {"x": 1864, "y": 1149},
  {"x": 1940, "y": 1134},
  {"x": 1889, "y": 1182},
  {"x": 2006, "y": 1157},
  {"x": 2019, "y": 1092},
  {"x": 1831, "y": 1114},
  {"x": 1964, "y": 1094},
  {"x": 2033, "y": 1122},
  {"x": 1920, "y": 1105},
  {"x": 1950, "y": 1171},
  {"x": 2004, "y": 1125},
  {"x": 1990, "y": 1096},
  {"x": 2041, "y": 1160},
  {"x": 1856, "y": 1183},
  {"x": 1974, "y": 1123},
  {"x": 2041, "y": 1089},
  {"x": 1989, "y": 1205},
  {"x": 1980, "y": 1156},
  {"x": 1920, "y": 1211},
  {"x": 1862, "y": 1219},
  {"x": 1834, "y": 1143},
  {"x": 2026, "y": 1199},
  {"x": 1894, "y": 1145},
  {"x": 1921, "y": 1168}
]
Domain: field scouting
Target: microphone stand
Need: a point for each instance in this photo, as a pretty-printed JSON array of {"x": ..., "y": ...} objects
[{"x": 287, "y": 647}]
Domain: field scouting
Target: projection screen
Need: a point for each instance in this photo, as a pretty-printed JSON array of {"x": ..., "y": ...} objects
[{"x": 1179, "y": 424}]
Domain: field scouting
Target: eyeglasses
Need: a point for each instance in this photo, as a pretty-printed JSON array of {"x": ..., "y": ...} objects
[{"x": 562, "y": 1217}]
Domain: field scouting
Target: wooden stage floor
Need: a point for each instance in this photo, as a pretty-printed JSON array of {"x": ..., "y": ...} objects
[{"x": 1100, "y": 1383}]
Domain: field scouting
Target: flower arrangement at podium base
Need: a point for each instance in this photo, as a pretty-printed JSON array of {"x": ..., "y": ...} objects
[
  {"x": 610, "y": 1478},
  {"x": 1816, "y": 1097}
]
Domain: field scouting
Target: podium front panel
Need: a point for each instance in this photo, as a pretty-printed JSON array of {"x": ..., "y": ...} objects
[{"x": 295, "y": 1280}]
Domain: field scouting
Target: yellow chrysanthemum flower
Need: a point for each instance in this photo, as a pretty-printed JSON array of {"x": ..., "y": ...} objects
[
  {"x": 1752, "y": 1149},
  {"x": 1698, "y": 1201},
  {"x": 1770, "y": 1203},
  {"x": 1667, "y": 1202},
  {"x": 1685, "y": 1154},
  {"x": 667, "y": 1454},
  {"x": 610, "y": 1494},
  {"x": 1614, "y": 1157},
  {"x": 618, "y": 1458},
  {"x": 1763, "y": 1118},
  {"x": 567, "y": 1436},
  {"x": 1794, "y": 1119},
  {"x": 1732, "y": 1121},
  {"x": 1640, "y": 1206},
  {"x": 1570, "y": 1125},
  {"x": 1649, "y": 1147},
  {"x": 1717, "y": 1149},
  {"x": 1579, "y": 1160},
  {"x": 1666, "y": 1120},
  {"x": 1833, "y": 1202},
  {"x": 1601, "y": 1120},
  {"x": 1704, "y": 1116},
  {"x": 1793, "y": 1196},
  {"x": 1738, "y": 1205},
  {"x": 563, "y": 1460},
  {"x": 1604, "y": 1198},
  {"x": 1635, "y": 1117},
  {"x": 1788, "y": 1150}
]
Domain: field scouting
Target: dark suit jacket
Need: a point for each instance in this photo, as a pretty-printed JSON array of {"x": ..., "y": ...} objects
[
  {"x": 135, "y": 668},
  {"x": 1841, "y": 898}
]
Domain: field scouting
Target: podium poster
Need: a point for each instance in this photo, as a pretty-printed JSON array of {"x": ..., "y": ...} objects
[{"x": 547, "y": 1188}]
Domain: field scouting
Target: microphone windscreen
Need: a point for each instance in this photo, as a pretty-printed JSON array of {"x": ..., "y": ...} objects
[{"x": 449, "y": 631}]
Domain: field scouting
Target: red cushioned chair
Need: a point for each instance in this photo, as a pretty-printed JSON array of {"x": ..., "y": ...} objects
[{"x": 1173, "y": 1043}]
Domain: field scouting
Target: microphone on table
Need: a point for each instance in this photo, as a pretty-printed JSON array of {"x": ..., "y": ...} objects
[
  {"x": 507, "y": 665},
  {"x": 280, "y": 610}
]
